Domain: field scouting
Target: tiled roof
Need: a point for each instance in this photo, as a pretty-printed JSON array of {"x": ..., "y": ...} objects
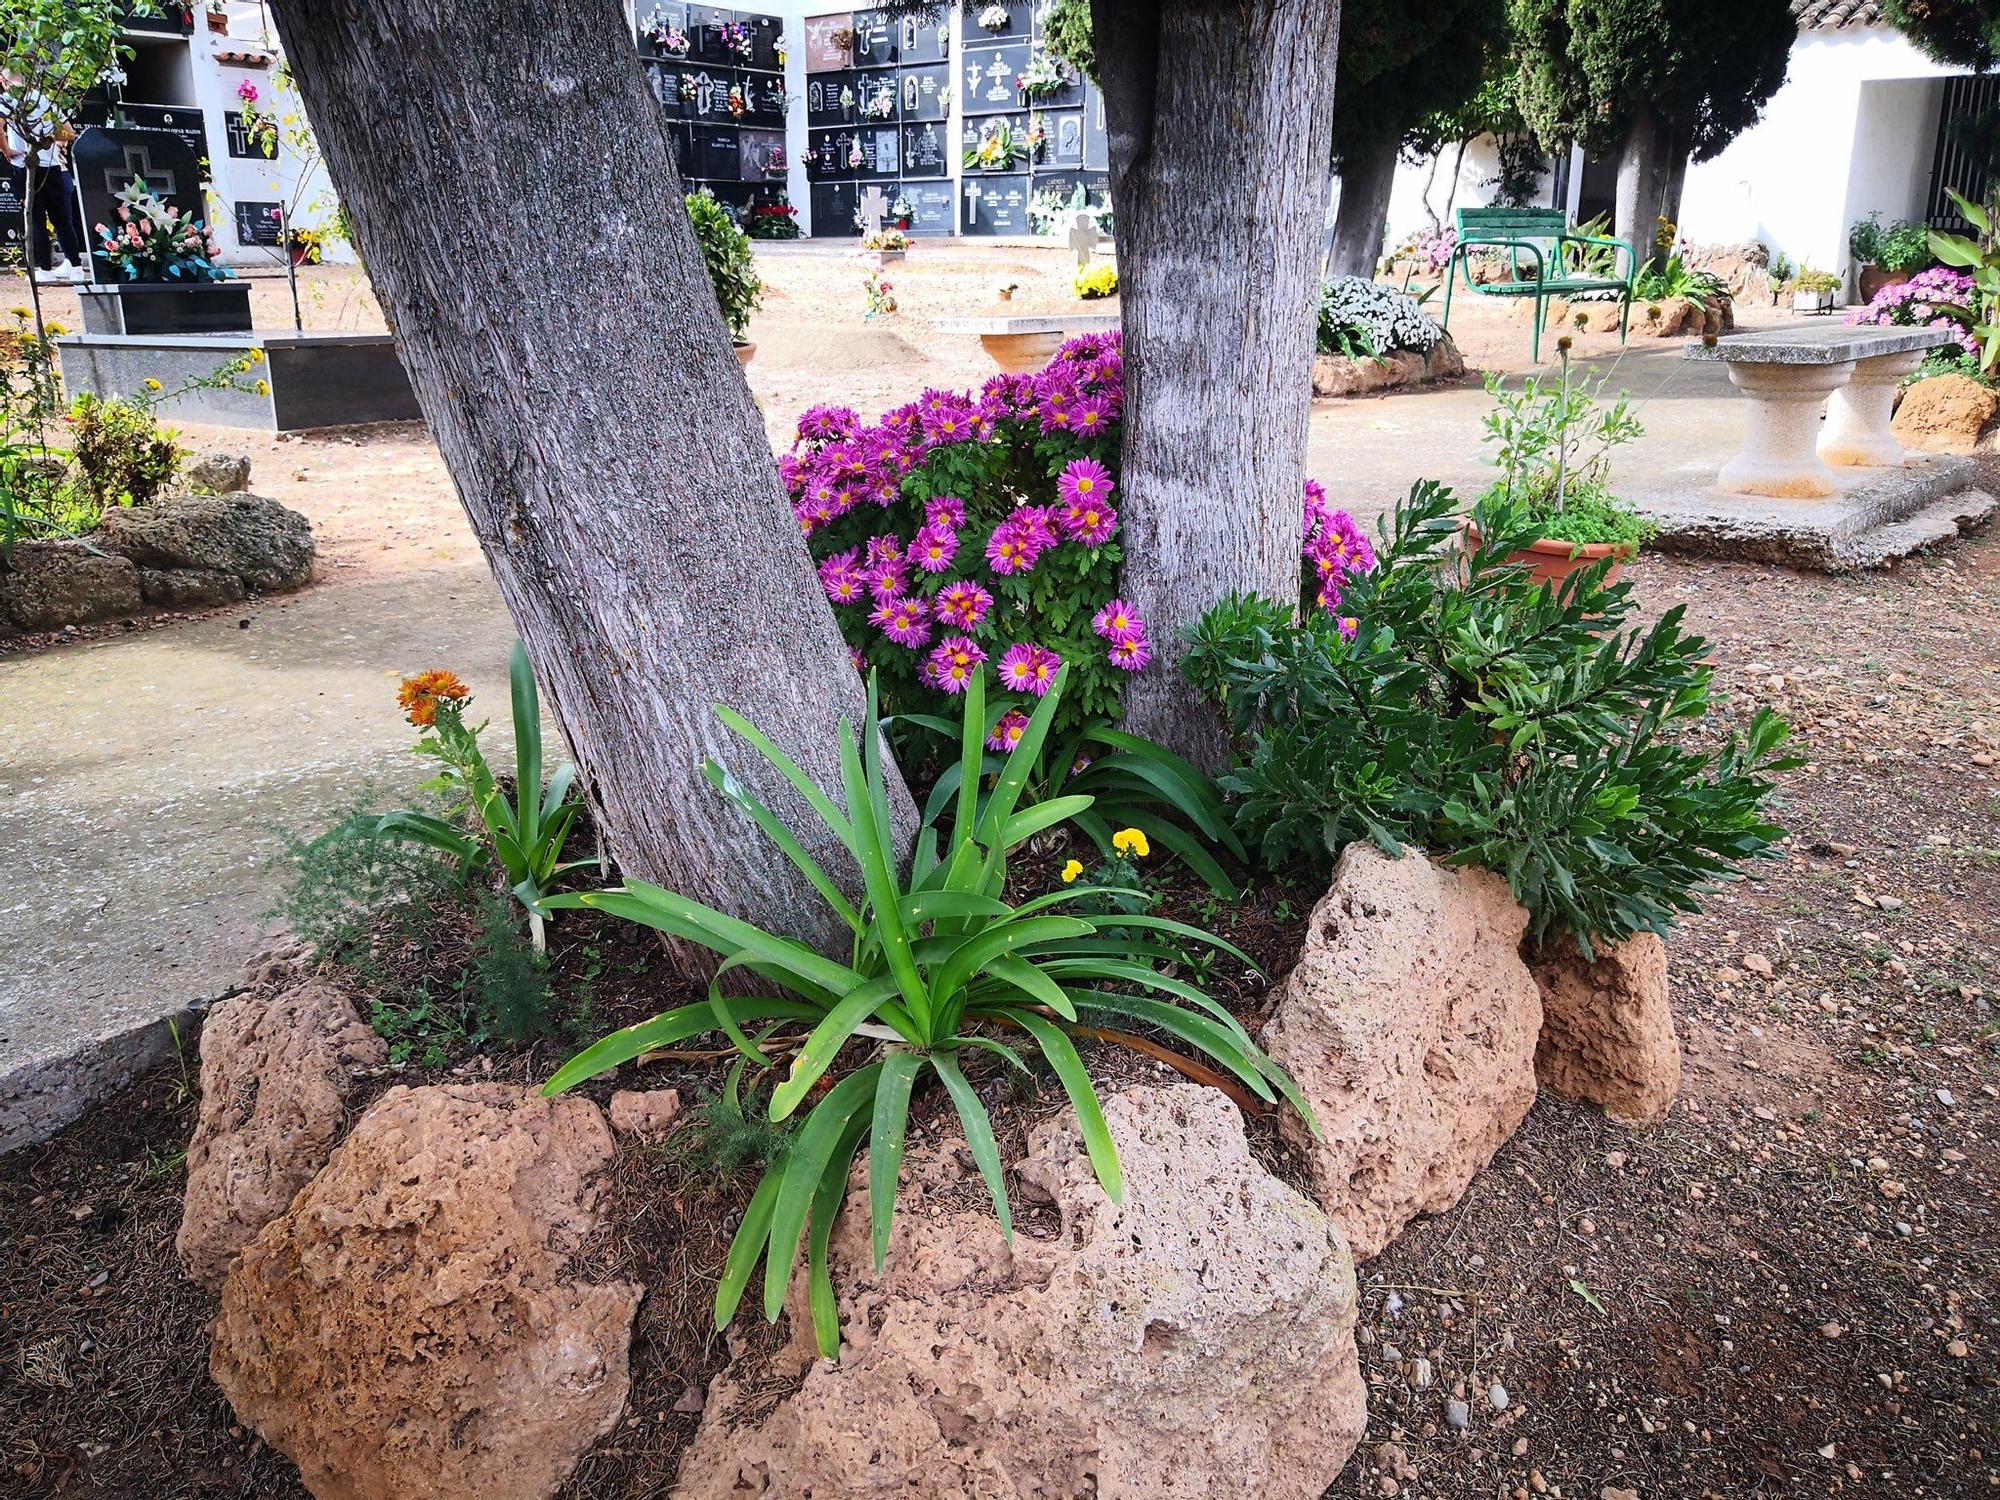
[{"x": 1836, "y": 15}]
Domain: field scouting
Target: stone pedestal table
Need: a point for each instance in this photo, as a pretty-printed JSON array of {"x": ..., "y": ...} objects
[{"x": 1022, "y": 345}]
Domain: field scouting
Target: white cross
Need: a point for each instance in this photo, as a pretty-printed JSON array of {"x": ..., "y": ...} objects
[
  {"x": 1083, "y": 238},
  {"x": 972, "y": 192},
  {"x": 873, "y": 206}
]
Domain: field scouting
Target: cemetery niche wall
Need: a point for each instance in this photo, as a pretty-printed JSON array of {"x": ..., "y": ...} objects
[{"x": 720, "y": 76}]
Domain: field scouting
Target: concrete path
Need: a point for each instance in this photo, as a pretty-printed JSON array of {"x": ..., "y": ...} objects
[{"x": 147, "y": 782}]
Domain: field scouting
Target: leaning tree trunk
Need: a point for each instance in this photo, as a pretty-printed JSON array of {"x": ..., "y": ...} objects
[
  {"x": 1366, "y": 178},
  {"x": 511, "y": 177},
  {"x": 1219, "y": 114},
  {"x": 1643, "y": 163}
]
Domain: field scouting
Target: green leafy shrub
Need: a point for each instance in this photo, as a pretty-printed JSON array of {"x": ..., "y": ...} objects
[
  {"x": 1660, "y": 279},
  {"x": 1980, "y": 316},
  {"x": 732, "y": 269},
  {"x": 1490, "y": 722},
  {"x": 942, "y": 968},
  {"x": 1552, "y": 442},
  {"x": 525, "y": 832},
  {"x": 121, "y": 455},
  {"x": 1897, "y": 248}
]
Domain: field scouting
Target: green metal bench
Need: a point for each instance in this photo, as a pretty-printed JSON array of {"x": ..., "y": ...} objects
[{"x": 1555, "y": 255}]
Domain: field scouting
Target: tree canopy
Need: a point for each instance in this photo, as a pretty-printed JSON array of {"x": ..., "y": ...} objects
[
  {"x": 1401, "y": 63},
  {"x": 1959, "y": 33},
  {"x": 1706, "y": 68}
]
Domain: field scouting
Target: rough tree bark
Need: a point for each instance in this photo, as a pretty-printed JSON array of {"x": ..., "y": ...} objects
[
  {"x": 1365, "y": 181},
  {"x": 1219, "y": 115},
  {"x": 510, "y": 177},
  {"x": 1643, "y": 164}
]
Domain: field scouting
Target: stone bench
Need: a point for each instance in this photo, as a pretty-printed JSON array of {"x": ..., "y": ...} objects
[
  {"x": 1022, "y": 345},
  {"x": 1787, "y": 373}
]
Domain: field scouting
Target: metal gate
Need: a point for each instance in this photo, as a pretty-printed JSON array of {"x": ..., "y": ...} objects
[{"x": 1954, "y": 166}]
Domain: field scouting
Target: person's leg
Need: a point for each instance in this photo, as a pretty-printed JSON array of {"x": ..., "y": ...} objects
[
  {"x": 68, "y": 218},
  {"x": 38, "y": 221}
]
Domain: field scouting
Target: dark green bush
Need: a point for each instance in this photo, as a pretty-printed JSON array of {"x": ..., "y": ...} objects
[
  {"x": 725, "y": 250},
  {"x": 1490, "y": 722}
]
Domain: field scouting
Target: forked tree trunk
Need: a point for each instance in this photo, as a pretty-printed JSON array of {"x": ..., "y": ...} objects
[
  {"x": 1366, "y": 179},
  {"x": 509, "y": 173},
  {"x": 1642, "y": 181},
  {"x": 1219, "y": 113}
]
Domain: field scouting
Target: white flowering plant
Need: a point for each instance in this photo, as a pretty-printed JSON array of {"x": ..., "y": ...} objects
[{"x": 1361, "y": 320}]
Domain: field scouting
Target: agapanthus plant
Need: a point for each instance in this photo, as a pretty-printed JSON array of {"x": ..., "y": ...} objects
[{"x": 943, "y": 971}]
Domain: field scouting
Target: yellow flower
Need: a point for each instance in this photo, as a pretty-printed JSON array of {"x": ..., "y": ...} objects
[
  {"x": 1071, "y": 870},
  {"x": 153, "y": 385},
  {"x": 256, "y": 356},
  {"x": 56, "y": 330},
  {"x": 263, "y": 387},
  {"x": 1131, "y": 841},
  {"x": 22, "y": 313}
]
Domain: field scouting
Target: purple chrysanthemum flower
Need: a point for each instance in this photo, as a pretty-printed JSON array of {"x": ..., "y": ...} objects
[
  {"x": 1008, "y": 551},
  {"x": 818, "y": 423},
  {"x": 1089, "y": 521},
  {"x": 842, "y": 577},
  {"x": 905, "y": 621},
  {"x": 1118, "y": 620},
  {"x": 1131, "y": 653},
  {"x": 1085, "y": 479},
  {"x": 944, "y": 510},
  {"x": 1007, "y": 733},
  {"x": 951, "y": 666},
  {"x": 1028, "y": 668},
  {"x": 963, "y": 603},
  {"x": 934, "y": 547}
]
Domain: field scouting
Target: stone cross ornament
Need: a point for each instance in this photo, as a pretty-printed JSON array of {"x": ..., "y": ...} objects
[
  {"x": 873, "y": 206},
  {"x": 1083, "y": 238}
]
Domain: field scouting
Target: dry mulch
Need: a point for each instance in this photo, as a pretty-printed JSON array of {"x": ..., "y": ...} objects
[{"x": 1785, "y": 1288}]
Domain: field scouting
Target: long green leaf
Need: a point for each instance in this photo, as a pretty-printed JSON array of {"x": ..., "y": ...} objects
[
  {"x": 803, "y": 784},
  {"x": 1031, "y": 981},
  {"x": 872, "y": 851},
  {"x": 664, "y": 1030},
  {"x": 752, "y": 1236},
  {"x": 1020, "y": 765},
  {"x": 1062, "y": 1055},
  {"x": 975, "y": 952},
  {"x": 812, "y": 1147},
  {"x": 724, "y": 782},
  {"x": 888, "y": 1130},
  {"x": 527, "y": 746},
  {"x": 826, "y": 1206},
  {"x": 820, "y": 1049},
  {"x": 978, "y": 1137}
]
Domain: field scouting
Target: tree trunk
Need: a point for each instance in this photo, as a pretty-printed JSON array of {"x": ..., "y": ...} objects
[
  {"x": 1219, "y": 115},
  {"x": 1365, "y": 181},
  {"x": 1676, "y": 180},
  {"x": 510, "y": 175},
  {"x": 1642, "y": 181}
]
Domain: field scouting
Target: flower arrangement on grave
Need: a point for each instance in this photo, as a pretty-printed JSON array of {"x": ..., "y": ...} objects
[
  {"x": 1096, "y": 281},
  {"x": 687, "y": 88},
  {"x": 885, "y": 238},
  {"x": 663, "y": 34},
  {"x": 247, "y": 91},
  {"x": 775, "y": 164},
  {"x": 781, "y": 45},
  {"x": 846, "y": 97},
  {"x": 961, "y": 529},
  {"x": 771, "y": 221},
  {"x": 736, "y": 104},
  {"x": 878, "y": 294},
  {"x": 999, "y": 147},
  {"x": 854, "y": 155},
  {"x": 1038, "y": 135},
  {"x": 881, "y": 105},
  {"x": 154, "y": 241},
  {"x": 307, "y": 246},
  {"x": 737, "y": 41},
  {"x": 901, "y": 211},
  {"x": 1045, "y": 74},
  {"x": 995, "y": 18},
  {"x": 810, "y": 157}
]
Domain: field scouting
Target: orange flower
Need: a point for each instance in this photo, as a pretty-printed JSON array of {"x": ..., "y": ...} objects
[{"x": 420, "y": 695}]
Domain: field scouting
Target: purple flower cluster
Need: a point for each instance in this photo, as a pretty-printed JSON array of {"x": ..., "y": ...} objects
[
  {"x": 913, "y": 583},
  {"x": 1920, "y": 303},
  {"x": 1119, "y": 624},
  {"x": 1335, "y": 546}
]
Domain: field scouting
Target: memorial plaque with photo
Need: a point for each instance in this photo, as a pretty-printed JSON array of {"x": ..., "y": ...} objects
[
  {"x": 875, "y": 96},
  {"x": 1019, "y": 13},
  {"x": 829, "y": 46},
  {"x": 991, "y": 77},
  {"x": 924, "y": 150},
  {"x": 933, "y": 207},
  {"x": 874, "y": 39},
  {"x": 105, "y": 161},
  {"x": 659, "y": 18},
  {"x": 187, "y": 124},
  {"x": 716, "y": 155},
  {"x": 995, "y": 205},
  {"x": 919, "y": 41},
  {"x": 1063, "y": 185},
  {"x": 881, "y": 151},
  {"x": 1096, "y": 142},
  {"x": 976, "y": 128},
  {"x": 13, "y": 182},
  {"x": 831, "y": 99},
  {"x": 833, "y": 211},
  {"x": 755, "y": 151},
  {"x": 259, "y": 224},
  {"x": 1062, "y": 146},
  {"x": 764, "y": 34},
  {"x": 832, "y": 155},
  {"x": 926, "y": 92}
]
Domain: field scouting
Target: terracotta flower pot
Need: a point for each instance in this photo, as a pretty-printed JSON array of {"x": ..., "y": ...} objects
[
  {"x": 1551, "y": 561},
  {"x": 745, "y": 352},
  {"x": 1874, "y": 278}
]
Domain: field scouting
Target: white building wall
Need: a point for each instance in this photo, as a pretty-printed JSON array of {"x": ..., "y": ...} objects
[{"x": 1424, "y": 188}]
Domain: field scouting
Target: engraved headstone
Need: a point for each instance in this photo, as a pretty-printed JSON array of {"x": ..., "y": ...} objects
[{"x": 107, "y": 160}]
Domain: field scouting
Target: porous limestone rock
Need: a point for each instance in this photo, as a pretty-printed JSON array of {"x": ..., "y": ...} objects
[
  {"x": 189, "y": 588},
  {"x": 1338, "y": 375},
  {"x": 1945, "y": 414},
  {"x": 49, "y": 584},
  {"x": 644, "y": 1114},
  {"x": 217, "y": 473},
  {"x": 411, "y": 1327},
  {"x": 1197, "y": 1342},
  {"x": 1409, "y": 1024},
  {"x": 267, "y": 545},
  {"x": 276, "y": 1070},
  {"x": 1607, "y": 1033}
]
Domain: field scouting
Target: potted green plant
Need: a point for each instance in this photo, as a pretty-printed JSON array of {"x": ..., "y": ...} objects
[
  {"x": 1887, "y": 254},
  {"x": 1553, "y": 441},
  {"x": 725, "y": 250},
  {"x": 1812, "y": 291}
]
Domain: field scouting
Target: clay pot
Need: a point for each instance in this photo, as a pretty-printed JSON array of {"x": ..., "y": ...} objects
[
  {"x": 1874, "y": 278},
  {"x": 745, "y": 352},
  {"x": 1551, "y": 561}
]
